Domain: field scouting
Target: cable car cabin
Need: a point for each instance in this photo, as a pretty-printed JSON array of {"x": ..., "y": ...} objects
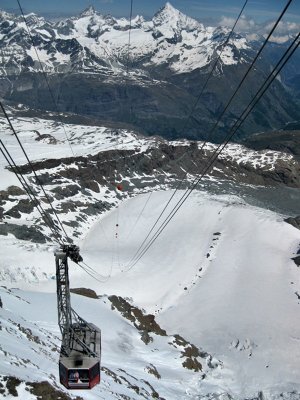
[{"x": 80, "y": 370}]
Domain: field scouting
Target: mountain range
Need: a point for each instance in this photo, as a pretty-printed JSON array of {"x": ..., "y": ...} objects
[{"x": 151, "y": 81}]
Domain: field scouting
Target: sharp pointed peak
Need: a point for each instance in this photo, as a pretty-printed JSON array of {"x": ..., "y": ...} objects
[
  {"x": 169, "y": 5},
  {"x": 88, "y": 11}
]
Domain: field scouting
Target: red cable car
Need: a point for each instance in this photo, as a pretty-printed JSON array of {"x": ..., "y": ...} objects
[
  {"x": 79, "y": 370},
  {"x": 80, "y": 353}
]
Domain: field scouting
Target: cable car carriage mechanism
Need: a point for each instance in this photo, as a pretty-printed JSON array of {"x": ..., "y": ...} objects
[{"x": 80, "y": 354}]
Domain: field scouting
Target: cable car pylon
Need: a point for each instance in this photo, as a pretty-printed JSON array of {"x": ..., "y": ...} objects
[{"x": 80, "y": 353}]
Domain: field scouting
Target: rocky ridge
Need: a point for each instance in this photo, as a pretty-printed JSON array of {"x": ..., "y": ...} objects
[{"x": 82, "y": 187}]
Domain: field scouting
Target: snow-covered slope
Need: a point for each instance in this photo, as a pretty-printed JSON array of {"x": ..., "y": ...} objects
[
  {"x": 30, "y": 344},
  {"x": 220, "y": 276}
]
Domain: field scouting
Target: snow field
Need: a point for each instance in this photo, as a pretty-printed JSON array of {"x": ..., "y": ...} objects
[
  {"x": 241, "y": 306},
  {"x": 220, "y": 275}
]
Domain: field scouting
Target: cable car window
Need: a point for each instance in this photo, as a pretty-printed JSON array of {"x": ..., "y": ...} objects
[{"x": 78, "y": 376}]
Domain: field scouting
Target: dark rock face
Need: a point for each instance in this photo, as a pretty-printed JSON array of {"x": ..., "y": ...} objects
[
  {"x": 157, "y": 109},
  {"x": 85, "y": 292},
  {"x": 146, "y": 324},
  {"x": 42, "y": 390},
  {"x": 165, "y": 165},
  {"x": 141, "y": 321},
  {"x": 297, "y": 260},
  {"x": 283, "y": 141},
  {"x": 96, "y": 170},
  {"x": 294, "y": 221},
  {"x": 23, "y": 232}
]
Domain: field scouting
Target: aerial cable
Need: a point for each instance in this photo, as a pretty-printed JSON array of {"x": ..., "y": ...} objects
[
  {"x": 220, "y": 149},
  {"x": 144, "y": 206},
  {"x": 93, "y": 270},
  {"x": 45, "y": 77},
  {"x": 115, "y": 253},
  {"x": 31, "y": 166},
  {"x": 247, "y": 73},
  {"x": 117, "y": 238},
  {"x": 140, "y": 214},
  {"x": 90, "y": 272},
  {"x": 49, "y": 222},
  {"x": 214, "y": 67},
  {"x": 129, "y": 35},
  {"x": 272, "y": 76},
  {"x": 151, "y": 230},
  {"x": 229, "y": 102},
  {"x": 192, "y": 112},
  {"x": 31, "y": 195},
  {"x": 128, "y": 60}
]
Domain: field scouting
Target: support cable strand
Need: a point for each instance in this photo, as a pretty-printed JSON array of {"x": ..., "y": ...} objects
[
  {"x": 45, "y": 77},
  {"x": 215, "y": 126},
  {"x": 214, "y": 67},
  {"x": 49, "y": 222},
  {"x": 272, "y": 76},
  {"x": 31, "y": 166},
  {"x": 247, "y": 73}
]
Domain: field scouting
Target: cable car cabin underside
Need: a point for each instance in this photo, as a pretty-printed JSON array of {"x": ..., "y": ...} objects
[{"x": 79, "y": 370}]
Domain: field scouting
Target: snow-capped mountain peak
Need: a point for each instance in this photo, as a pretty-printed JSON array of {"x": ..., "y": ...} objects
[
  {"x": 168, "y": 16},
  {"x": 33, "y": 20},
  {"x": 89, "y": 11},
  {"x": 92, "y": 42}
]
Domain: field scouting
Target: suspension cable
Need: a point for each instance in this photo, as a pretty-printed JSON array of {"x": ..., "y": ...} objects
[
  {"x": 129, "y": 36},
  {"x": 215, "y": 126},
  {"x": 31, "y": 166},
  {"x": 49, "y": 222},
  {"x": 214, "y": 67},
  {"x": 45, "y": 77},
  {"x": 272, "y": 76},
  {"x": 247, "y": 72},
  {"x": 94, "y": 274}
]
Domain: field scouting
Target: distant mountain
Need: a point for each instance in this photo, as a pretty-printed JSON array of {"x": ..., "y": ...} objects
[
  {"x": 92, "y": 42},
  {"x": 151, "y": 84}
]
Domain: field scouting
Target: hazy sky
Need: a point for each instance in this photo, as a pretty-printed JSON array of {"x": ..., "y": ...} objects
[{"x": 203, "y": 10}]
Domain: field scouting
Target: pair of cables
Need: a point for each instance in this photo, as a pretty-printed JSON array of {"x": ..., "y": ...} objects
[
  {"x": 59, "y": 229},
  {"x": 146, "y": 244}
]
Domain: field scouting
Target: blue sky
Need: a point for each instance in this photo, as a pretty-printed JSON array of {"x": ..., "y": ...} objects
[{"x": 204, "y": 10}]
